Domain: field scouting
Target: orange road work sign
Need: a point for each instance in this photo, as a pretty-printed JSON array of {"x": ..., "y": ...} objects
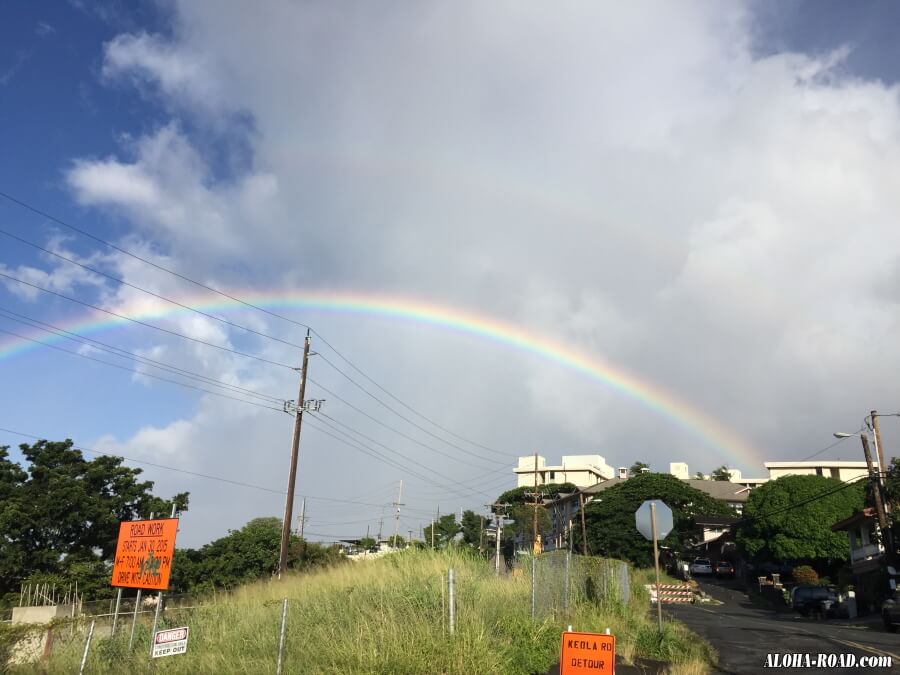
[
  {"x": 144, "y": 554},
  {"x": 583, "y": 653}
]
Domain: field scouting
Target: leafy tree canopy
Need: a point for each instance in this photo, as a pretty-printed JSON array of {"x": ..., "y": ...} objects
[
  {"x": 244, "y": 555},
  {"x": 525, "y": 494},
  {"x": 58, "y": 509},
  {"x": 637, "y": 468},
  {"x": 472, "y": 526},
  {"x": 721, "y": 473},
  {"x": 445, "y": 530},
  {"x": 610, "y": 524},
  {"x": 790, "y": 519}
]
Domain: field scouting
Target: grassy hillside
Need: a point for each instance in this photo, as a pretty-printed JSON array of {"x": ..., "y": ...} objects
[{"x": 385, "y": 616}]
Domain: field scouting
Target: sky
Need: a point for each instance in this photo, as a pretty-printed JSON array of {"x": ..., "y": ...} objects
[{"x": 650, "y": 231}]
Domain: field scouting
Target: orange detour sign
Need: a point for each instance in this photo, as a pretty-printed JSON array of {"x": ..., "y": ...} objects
[
  {"x": 144, "y": 554},
  {"x": 587, "y": 653}
]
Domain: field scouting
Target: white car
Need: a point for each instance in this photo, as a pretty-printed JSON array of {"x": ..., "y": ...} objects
[{"x": 701, "y": 566}]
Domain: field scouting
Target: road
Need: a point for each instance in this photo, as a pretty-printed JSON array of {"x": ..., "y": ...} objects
[{"x": 744, "y": 635}]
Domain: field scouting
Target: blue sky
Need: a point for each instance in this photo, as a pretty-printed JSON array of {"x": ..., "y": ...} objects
[{"x": 688, "y": 193}]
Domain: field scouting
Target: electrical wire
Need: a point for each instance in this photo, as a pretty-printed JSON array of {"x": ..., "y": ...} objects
[
  {"x": 145, "y": 324},
  {"x": 389, "y": 427},
  {"x": 138, "y": 372},
  {"x": 240, "y": 301},
  {"x": 124, "y": 353}
]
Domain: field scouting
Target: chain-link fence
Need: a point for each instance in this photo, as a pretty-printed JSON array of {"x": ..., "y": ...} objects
[{"x": 560, "y": 580}]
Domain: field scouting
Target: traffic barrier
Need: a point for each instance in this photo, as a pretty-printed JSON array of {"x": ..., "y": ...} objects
[{"x": 671, "y": 592}]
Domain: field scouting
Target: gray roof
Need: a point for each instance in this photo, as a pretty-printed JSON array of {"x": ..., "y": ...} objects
[{"x": 718, "y": 489}]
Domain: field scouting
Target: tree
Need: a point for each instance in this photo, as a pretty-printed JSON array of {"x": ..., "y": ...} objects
[
  {"x": 790, "y": 519},
  {"x": 699, "y": 476},
  {"x": 722, "y": 473},
  {"x": 445, "y": 529},
  {"x": 522, "y": 512},
  {"x": 610, "y": 522},
  {"x": 525, "y": 494},
  {"x": 58, "y": 509},
  {"x": 245, "y": 555},
  {"x": 638, "y": 468},
  {"x": 472, "y": 525}
]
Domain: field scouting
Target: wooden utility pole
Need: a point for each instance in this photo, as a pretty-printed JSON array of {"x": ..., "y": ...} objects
[
  {"x": 292, "y": 475},
  {"x": 876, "y": 487},
  {"x": 584, "y": 546},
  {"x": 535, "y": 534},
  {"x": 397, "y": 519},
  {"x": 879, "y": 448},
  {"x": 302, "y": 516}
]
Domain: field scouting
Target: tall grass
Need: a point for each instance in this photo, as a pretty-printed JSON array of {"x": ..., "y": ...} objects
[{"x": 385, "y": 616}]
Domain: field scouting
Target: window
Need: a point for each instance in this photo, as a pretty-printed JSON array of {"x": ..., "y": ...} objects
[
  {"x": 552, "y": 475},
  {"x": 818, "y": 470}
]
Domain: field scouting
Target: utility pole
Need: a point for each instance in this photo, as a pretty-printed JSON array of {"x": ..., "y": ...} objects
[
  {"x": 879, "y": 502},
  {"x": 302, "y": 516},
  {"x": 498, "y": 532},
  {"x": 432, "y": 535},
  {"x": 295, "y": 453},
  {"x": 535, "y": 534},
  {"x": 397, "y": 521},
  {"x": 879, "y": 448},
  {"x": 584, "y": 546},
  {"x": 381, "y": 526}
]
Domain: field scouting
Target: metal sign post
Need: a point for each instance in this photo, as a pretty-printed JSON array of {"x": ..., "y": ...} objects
[
  {"x": 656, "y": 564},
  {"x": 654, "y": 520}
]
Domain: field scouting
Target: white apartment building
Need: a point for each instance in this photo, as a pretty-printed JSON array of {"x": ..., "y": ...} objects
[
  {"x": 842, "y": 470},
  {"x": 580, "y": 470}
]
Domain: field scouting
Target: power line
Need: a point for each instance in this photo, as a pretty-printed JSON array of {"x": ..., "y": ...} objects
[
  {"x": 850, "y": 482},
  {"x": 145, "y": 324},
  {"x": 138, "y": 372},
  {"x": 121, "y": 281},
  {"x": 387, "y": 426},
  {"x": 192, "y": 473},
  {"x": 238, "y": 300},
  {"x": 403, "y": 417},
  {"x": 365, "y": 449},
  {"x": 124, "y": 353}
]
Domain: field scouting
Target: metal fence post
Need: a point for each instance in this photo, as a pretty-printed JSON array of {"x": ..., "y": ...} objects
[
  {"x": 87, "y": 646},
  {"x": 116, "y": 614},
  {"x": 566, "y": 585},
  {"x": 533, "y": 583},
  {"x": 284, "y": 605},
  {"x": 451, "y": 597},
  {"x": 137, "y": 606},
  {"x": 159, "y": 602}
]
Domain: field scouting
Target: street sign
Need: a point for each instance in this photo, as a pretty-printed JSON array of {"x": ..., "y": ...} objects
[
  {"x": 170, "y": 642},
  {"x": 664, "y": 522},
  {"x": 593, "y": 653},
  {"x": 144, "y": 554}
]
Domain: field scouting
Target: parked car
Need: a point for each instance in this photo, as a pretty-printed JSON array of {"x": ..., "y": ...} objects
[
  {"x": 701, "y": 566},
  {"x": 814, "y": 600},
  {"x": 724, "y": 569},
  {"x": 890, "y": 612}
]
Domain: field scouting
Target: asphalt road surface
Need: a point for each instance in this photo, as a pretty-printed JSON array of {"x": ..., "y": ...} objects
[{"x": 745, "y": 635}]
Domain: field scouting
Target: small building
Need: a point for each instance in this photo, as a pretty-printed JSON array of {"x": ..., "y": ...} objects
[
  {"x": 580, "y": 470},
  {"x": 866, "y": 556}
]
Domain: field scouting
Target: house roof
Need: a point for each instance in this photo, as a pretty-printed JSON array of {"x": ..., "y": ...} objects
[
  {"x": 867, "y": 513},
  {"x": 718, "y": 489}
]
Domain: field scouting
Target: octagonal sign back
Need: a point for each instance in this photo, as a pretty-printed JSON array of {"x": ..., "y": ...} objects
[{"x": 664, "y": 521}]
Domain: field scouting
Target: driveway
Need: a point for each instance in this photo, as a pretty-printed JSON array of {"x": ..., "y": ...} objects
[{"x": 744, "y": 635}]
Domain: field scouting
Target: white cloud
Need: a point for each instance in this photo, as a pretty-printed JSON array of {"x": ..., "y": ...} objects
[{"x": 627, "y": 179}]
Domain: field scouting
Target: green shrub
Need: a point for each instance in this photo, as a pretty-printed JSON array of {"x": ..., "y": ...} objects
[{"x": 806, "y": 575}]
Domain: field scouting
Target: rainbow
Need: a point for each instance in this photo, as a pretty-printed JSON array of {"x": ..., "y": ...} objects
[{"x": 737, "y": 450}]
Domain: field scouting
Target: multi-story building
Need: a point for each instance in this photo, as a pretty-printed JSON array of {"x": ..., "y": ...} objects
[
  {"x": 580, "y": 470},
  {"x": 842, "y": 470}
]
